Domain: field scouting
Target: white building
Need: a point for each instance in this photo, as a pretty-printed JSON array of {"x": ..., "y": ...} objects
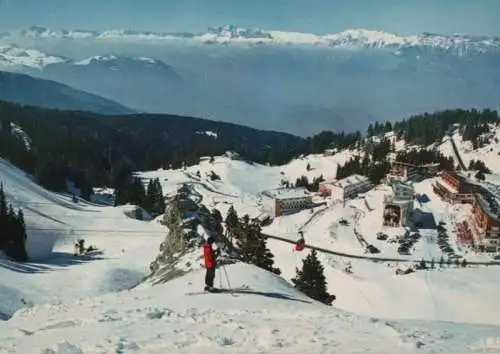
[
  {"x": 350, "y": 187},
  {"x": 289, "y": 200},
  {"x": 398, "y": 205}
]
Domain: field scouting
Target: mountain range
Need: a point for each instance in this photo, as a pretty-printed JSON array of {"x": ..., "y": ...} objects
[
  {"x": 350, "y": 38},
  {"x": 295, "y": 82}
]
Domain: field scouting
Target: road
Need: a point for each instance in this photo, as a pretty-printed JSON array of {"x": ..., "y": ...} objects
[{"x": 455, "y": 149}]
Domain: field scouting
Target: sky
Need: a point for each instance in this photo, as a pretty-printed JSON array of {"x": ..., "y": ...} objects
[{"x": 476, "y": 17}]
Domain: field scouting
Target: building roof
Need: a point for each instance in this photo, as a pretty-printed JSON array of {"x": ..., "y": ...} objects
[
  {"x": 103, "y": 190},
  {"x": 489, "y": 203},
  {"x": 352, "y": 179},
  {"x": 458, "y": 176},
  {"x": 395, "y": 184},
  {"x": 290, "y": 193}
]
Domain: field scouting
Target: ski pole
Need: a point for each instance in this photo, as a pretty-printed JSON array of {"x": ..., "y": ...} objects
[{"x": 227, "y": 277}]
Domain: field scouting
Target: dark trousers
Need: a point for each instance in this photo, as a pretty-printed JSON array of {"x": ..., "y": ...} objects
[{"x": 210, "y": 276}]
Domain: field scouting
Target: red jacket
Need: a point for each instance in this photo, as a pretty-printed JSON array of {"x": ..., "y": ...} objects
[{"x": 208, "y": 255}]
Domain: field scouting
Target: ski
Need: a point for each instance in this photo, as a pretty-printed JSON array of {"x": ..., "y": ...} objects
[{"x": 219, "y": 290}]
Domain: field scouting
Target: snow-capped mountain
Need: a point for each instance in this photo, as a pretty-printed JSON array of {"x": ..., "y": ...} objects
[
  {"x": 13, "y": 58},
  {"x": 119, "y": 62},
  {"x": 16, "y": 59},
  {"x": 348, "y": 39}
]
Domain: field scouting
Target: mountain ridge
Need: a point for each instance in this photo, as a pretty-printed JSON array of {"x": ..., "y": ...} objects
[
  {"x": 27, "y": 90},
  {"x": 460, "y": 44},
  {"x": 14, "y": 58}
]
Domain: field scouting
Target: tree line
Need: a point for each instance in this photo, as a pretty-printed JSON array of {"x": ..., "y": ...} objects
[
  {"x": 428, "y": 128},
  {"x": 151, "y": 198},
  {"x": 12, "y": 230}
]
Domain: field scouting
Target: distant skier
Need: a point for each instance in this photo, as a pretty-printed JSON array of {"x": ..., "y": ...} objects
[
  {"x": 301, "y": 243},
  {"x": 210, "y": 253}
]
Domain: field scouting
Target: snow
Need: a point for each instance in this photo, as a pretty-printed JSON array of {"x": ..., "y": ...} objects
[
  {"x": 208, "y": 133},
  {"x": 54, "y": 223},
  {"x": 489, "y": 153},
  {"x": 13, "y": 58},
  {"x": 269, "y": 316},
  {"x": 347, "y": 39},
  {"x": 112, "y": 58},
  {"x": 92, "y": 305},
  {"x": 289, "y": 193}
]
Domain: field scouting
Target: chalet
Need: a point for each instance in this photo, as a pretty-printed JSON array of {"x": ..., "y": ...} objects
[
  {"x": 398, "y": 206},
  {"x": 351, "y": 186},
  {"x": 454, "y": 188},
  {"x": 290, "y": 200},
  {"x": 485, "y": 221}
]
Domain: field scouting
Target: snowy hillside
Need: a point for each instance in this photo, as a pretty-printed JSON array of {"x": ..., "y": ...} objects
[
  {"x": 372, "y": 289},
  {"x": 350, "y": 38},
  {"x": 448, "y": 309},
  {"x": 54, "y": 223},
  {"x": 489, "y": 153}
]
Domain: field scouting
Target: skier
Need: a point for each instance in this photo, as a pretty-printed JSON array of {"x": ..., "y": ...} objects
[
  {"x": 301, "y": 243},
  {"x": 210, "y": 253}
]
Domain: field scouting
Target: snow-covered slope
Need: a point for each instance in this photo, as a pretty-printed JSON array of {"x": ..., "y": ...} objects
[
  {"x": 448, "y": 309},
  {"x": 373, "y": 289},
  {"x": 349, "y": 38},
  {"x": 54, "y": 223},
  {"x": 270, "y": 316},
  {"x": 489, "y": 153}
]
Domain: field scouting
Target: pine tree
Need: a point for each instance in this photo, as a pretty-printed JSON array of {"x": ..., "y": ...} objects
[
  {"x": 311, "y": 280},
  {"x": 138, "y": 195},
  {"x": 148, "y": 202},
  {"x": 253, "y": 248},
  {"x": 159, "y": 199},
  {"x": 3, "y": 218},
  {"x": 231, "y": 222},
  {"x": 19, "y": 237}
]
